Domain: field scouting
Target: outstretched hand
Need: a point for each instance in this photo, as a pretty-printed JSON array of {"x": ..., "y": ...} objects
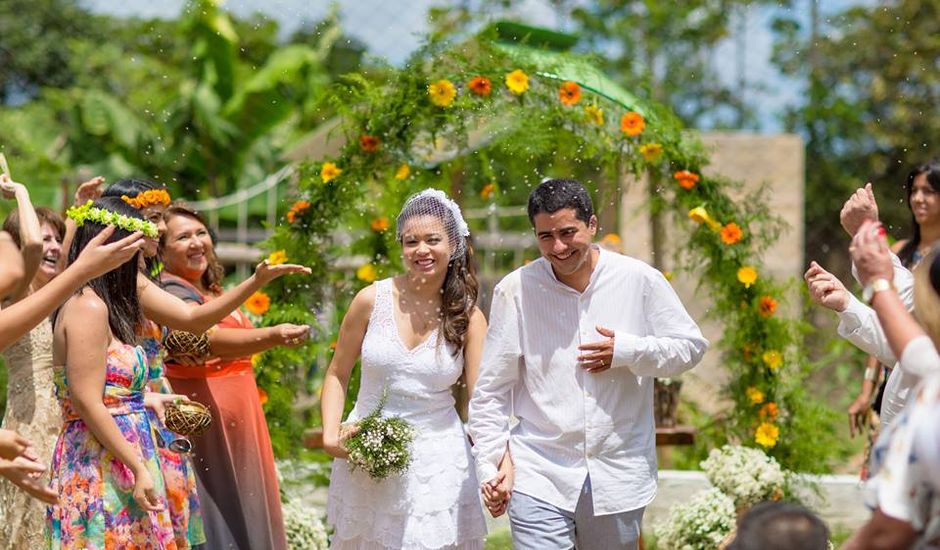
[
  {"x": 265, "y": 272},
  {"x": 861, "y": 206},
  {"x": 292, "y": 335}
]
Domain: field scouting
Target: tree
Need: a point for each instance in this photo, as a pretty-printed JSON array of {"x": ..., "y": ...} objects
[{"x": 871, "y": 92}]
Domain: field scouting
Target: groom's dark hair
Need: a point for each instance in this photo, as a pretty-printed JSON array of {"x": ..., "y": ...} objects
[{"x": 552, "y": 195}]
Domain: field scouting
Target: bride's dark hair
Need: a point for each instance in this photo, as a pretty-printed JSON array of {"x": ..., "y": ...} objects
[{"x": 461, "y": 287}]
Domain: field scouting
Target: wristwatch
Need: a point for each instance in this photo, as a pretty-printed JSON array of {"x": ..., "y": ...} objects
[{"x": 876, "y": 286}]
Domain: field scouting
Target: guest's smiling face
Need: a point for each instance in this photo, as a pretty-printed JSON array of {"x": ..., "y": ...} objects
[
  {"x": 564, "y": 240},
  {"x": 186, "y": 247},
  {"x": 154, "y": 214}
]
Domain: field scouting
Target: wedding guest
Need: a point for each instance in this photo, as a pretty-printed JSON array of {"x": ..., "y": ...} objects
[
  {"x": 416, "y": 334},
  {"x": 238, "y": 487},
  {"x": 780, "y": 526},
  {"x": 575, "y": 340}
]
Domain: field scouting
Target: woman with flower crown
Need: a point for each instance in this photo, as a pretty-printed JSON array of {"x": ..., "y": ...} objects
[{"x": 416, "y": 334}]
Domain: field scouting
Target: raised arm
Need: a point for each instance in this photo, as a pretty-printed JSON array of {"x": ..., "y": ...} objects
[
  {"x": 335, "y": 383},
  {"x": 499, "y": 371},
  {"x": 168, "y": 310},
  {"x": 85, "y": 324},
  {"x": 30, "y": 235},
  {"x": 96, "y": 259},
  {"x": 231, "y": 343},
  {"x": 11, "y": 265},
  {"x": 88, "y": 191}
]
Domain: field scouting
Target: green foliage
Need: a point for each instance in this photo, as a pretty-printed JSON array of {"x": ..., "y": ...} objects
[{"x": 516, "y": 140}]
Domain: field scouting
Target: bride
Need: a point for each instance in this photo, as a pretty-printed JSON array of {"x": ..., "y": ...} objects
[{"x": 416, "y": 334}]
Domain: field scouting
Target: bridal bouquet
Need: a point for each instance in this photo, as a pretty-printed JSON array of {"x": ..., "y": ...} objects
[{"x": 381, "y": 446}]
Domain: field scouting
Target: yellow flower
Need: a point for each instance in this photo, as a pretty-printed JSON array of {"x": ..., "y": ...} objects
[
  {"x": 755, "y": 395},
  {"x": 258, "y": 303},
  {"x": 329, "y": 172},
  {"x": 747, "y": 276},
  {"x": 255, "y": 359},
  {"x": 595, "y": 114},
  {"x": 517, "y": 82},
  {"x": 669, "y": 275},
  {"x": 700, "y": 215},
  {"x": 367, "y": 273},
  {"x": 442, "y": 93},
  {"x": 403, "y": 171},
  {"x": 651, "y": 151},
  {"x": 277, "y": 257},
  {"x": 766, "y": 435},
  {"x": 773, "y": 359}
]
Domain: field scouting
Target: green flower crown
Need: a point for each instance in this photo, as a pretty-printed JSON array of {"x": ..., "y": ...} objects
[{"x": 88, "y": 213}]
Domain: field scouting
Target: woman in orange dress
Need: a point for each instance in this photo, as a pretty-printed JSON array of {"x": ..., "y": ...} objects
[{"x": 234, "y": 461}]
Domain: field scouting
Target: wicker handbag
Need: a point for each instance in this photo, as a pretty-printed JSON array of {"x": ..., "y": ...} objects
[
  {"x": 181, "y": 343},
  {"x": 188, "y": 418}
]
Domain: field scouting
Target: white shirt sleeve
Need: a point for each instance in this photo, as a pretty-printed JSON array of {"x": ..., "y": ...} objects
[
  {"x": 920, "y": 357},
  {"x": 490, "y": 406},
  {"x": 673, "y": 344},
  {"x": 903, "y": 281},
  {"x": 859, "y": 324}
]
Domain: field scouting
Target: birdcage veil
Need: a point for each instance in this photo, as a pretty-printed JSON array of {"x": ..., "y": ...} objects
[{"x": 435, "y": 203}]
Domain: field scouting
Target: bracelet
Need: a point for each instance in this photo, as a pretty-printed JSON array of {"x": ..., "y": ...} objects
[{"x": 871, "y": 373}]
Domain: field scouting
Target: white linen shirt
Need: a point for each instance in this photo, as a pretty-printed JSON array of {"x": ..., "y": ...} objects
[{"x": 572, "y": 423}]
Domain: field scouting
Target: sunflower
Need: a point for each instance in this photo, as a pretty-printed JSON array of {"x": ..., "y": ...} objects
[
  {"x": 731, "y": 233},
  {"x": 632, "y": 124},
  {"x": 767, "y": 306},
  {"x": 369, "y": 144},
  {"x": 569, "y": 93},
  {"x": 442, "y": 93},
  {"x": 651, "y": 151},
  {"x": 277, "y": 257},
  {"x": 747, "y": 276},
  {"x": 329, "y": 172},
  {"x": 403, "y": 172},
  {"x": 517, "y": 82},
  {"x": 481, "y": 86},
  {"x": 258, "y": 303},
  {"x": 766, "y": 435}
]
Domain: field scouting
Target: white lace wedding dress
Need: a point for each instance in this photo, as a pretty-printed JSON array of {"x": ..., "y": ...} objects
[{"x": 436, "y": 503}]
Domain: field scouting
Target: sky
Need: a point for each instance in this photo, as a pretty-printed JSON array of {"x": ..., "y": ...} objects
[{"x": 392, "y": 29}]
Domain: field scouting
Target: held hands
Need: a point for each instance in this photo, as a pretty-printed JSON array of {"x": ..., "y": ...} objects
[
  {"x": 598, "y": 356},
  {"x": 89, "y": 191},
  {"x": 144, "y": 491},
  {"x": 265, "y": 272},
  {"x": 860, "y": 207},
  {"x": 498, "y": 491},
  {"x": 870, "y": 253},
  {"x": 825, "y": 289},
  {"x": 335, "y": 446},
  {"x": 292, "y": 335}
]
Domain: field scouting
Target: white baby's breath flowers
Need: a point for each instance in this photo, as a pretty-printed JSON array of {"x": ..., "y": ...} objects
[
  {"x": 746, "y": 475},
  {"x": 699, "y": 524}
]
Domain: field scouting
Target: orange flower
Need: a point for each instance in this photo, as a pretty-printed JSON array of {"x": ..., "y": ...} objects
[
  {"x": 262, "y": 396},
  {"x": 297, "y": 209},
  {"x": 379, "y": 224},
  {"x": 369, "y": 144},
  {"x": 767, "y": 306},
  {"x": 481, "y": 86},
  {"x": 632, "y": 124},
  {"x": 731, "y": 233},
  {"x": 569, "y": 93},
  {"x": 487, "y": 190},
  {"x": 769, "y": 412},
  {"x": 686, "y": 179},
  {"x": 258, "y": 303}
]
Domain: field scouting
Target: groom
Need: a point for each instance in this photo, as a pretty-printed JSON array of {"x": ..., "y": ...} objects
[{"x": 575, "y": 340}]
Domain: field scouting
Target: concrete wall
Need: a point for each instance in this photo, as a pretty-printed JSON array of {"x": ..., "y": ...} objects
[{"x": 755, "y": 160}]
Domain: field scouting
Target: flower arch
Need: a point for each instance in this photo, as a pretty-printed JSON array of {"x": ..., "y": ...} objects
[{"x": 486, "y": 121}]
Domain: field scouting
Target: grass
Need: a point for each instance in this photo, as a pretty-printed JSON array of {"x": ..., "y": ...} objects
[{"x": 500, "y": 540}]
